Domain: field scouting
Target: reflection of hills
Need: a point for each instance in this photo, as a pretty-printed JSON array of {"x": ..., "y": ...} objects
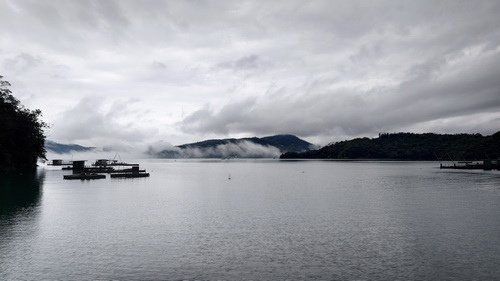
[{"x": 20, "y": 193}]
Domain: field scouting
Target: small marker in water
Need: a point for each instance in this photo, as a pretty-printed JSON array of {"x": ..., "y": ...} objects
[{"x": 229, "y": 177}]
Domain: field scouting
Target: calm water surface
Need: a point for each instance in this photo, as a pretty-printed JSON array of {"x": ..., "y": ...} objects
[{"x": 272, "y": 221}]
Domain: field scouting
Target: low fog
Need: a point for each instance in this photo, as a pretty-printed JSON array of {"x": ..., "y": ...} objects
[
  {"x": 97, "y": 153},
  {"x": 243, "y": 149},
  {"x": 162, "y": 149}
]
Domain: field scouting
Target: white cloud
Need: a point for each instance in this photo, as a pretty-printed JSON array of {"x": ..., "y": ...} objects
[{"x": 91, "y": 120}]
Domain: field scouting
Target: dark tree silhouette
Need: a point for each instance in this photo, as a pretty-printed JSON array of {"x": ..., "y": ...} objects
[
  {"x": 22, "y": 138},
  {"x": 409, "y": 146}
]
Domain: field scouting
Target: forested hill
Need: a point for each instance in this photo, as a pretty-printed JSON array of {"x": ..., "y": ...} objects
[
  {"x": 60, "y": 148},
  {"x": 284, "y": 143},
  {"x": 266, "y": 147},
  {"x": 409, "y": 146}
]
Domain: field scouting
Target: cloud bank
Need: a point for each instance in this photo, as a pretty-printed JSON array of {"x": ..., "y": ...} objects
[
  {"x": 131, "y": 72},
  {"x": 243, "y": 149}
]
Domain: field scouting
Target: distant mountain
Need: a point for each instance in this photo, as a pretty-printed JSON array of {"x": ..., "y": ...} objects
[
  {"x": 59, "y": 148},
  {"x": 409, "y": 146},
  {"x": 216, "y": 142},
  {"x": 266, "y": 147},
  {"x": 288, "y": 143}
]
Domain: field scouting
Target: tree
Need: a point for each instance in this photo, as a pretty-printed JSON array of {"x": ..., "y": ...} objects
[
  {"x": 410, "y": 146},
  {"x": 22, "y": 139}
]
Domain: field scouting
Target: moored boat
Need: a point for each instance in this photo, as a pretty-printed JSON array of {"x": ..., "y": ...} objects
[{"x": 130, "y": 175}]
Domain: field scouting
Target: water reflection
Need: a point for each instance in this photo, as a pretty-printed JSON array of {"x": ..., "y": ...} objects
[
  {"x": 20, "y": 200},
  {"x": 20, "y": 195},
  {"x": 313, "y": 220}
]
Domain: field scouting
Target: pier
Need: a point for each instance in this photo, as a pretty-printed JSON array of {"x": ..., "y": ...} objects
[
  {"x": 100, "y": 168},
  {"x": 486, "y": 165},
  {"x": 60, "y": 162},
  {"x": 84, "y": 176}
]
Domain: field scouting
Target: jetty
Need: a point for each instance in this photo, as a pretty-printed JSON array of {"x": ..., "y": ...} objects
[
  {"x": 111, "y": 162},
  {"x": 486, "y": 165},
  {"x": 84, "y": 176},
  {"x": 134, "y": 172},
  {"x": 130, "y": 175},
  {"x": 80, "y": 173},
  {"x": 130, "y": 170},
  {"x": 101, "y": 167},
  {"x": 60, "y": 162}
]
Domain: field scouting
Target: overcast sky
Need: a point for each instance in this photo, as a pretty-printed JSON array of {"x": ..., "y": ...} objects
[{"x": 135, "y": 72}]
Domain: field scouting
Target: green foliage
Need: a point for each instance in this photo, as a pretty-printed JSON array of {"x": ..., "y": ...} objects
[
  {"x": 409, "y": 146},
  {"x": 22, "y": 136}
]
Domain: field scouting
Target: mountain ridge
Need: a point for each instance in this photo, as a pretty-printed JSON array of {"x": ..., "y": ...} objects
[
  {"x": 60, "y": 148},
  {"x": 409, "y": 146},
  {"x": 251, "y": 147}
]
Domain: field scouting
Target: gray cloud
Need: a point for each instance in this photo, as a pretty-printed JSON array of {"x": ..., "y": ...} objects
[
  {"x": 91, "y": 121},
  {"x": 21, "y": 63},
  {"x": 434, "y": 90},
  {"x": 320, "y": 69},
  {"x": 244, "y": 63}
]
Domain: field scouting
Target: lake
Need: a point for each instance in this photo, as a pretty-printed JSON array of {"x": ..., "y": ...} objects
[{"x": 272, "y": 220}]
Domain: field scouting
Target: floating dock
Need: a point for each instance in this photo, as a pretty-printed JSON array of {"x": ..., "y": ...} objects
[
  {"x": 486, "y": 165},
  {"x": 130, "y": 175},
  {"x": 60, "y": 162},
  {"x": 103, "y": 166},
  {"x": 126, "y": 171},
  {"x": 98, "y": 169},
  {"x": 84, "y": 177},
  {"x": 134, "y": 172},
  {"x": 112, "y": 162}
]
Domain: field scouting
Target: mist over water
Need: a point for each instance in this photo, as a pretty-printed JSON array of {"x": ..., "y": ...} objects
[
  {"x": 242, "y": 149},
  {"x": 273, "y": 220},
  {"x": 97, "y": 154},
  {"x": 162, "y": 149}
]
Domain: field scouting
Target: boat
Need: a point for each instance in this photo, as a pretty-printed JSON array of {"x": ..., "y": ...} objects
[
  {"x": 60, "y": 162},
  {"x": 131, "y": 170},
  {"x": 111, "y": 162},
  {"x": 79, "y": 167},
  {"x": 102, "y": 166},
  {"x": 84, "y": 176},
  {"x": 129, "y": 175},
  {"x": 98, "y": 169}
]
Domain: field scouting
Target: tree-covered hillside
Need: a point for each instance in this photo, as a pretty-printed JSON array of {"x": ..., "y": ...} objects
[
  {"x": 284, "y": 143},
  {"x": 265, "y": 147},
  {"x": 409, "y": 146},
  {"x": 60, "y": 148},
  {"x": 21, "y": 134}
]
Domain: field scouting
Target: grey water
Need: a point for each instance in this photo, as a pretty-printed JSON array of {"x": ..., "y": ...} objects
[{"x": 272, "y": 220}]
